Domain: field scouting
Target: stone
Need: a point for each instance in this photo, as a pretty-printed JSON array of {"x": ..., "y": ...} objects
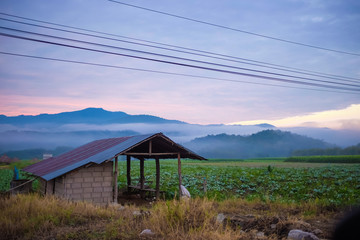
[
  {"x": 184, "y": 192},
  {"x": 317, "y": 231},
  {"x": 260, "y": 234},
  {"x": 137, "y": 213},
  {"x": 220, "y": 218},
  {"x": 242, "y": 221},
  {"x": 146, "y": 233},
  {"x": 141, "y": 213},
  {"x": 273, "y": 226},
  {"x": 296, "y": 234}
]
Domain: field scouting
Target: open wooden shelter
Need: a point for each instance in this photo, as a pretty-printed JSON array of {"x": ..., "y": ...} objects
[{"x": 90, "y": 172}]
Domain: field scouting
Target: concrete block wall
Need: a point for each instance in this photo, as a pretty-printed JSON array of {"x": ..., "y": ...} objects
[
  {"x": 60, "y": 186},
  {"x": 92, "y": 184},
  {"x": 47, "y": 187}
]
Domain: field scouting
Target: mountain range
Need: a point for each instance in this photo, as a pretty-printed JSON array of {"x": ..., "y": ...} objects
[
  {"x": 72, "y": 129},
  {"x": 88, "y": 115}
]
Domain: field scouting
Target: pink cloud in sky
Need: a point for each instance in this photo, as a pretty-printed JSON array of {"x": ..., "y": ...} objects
[{"x": 34, "y": 86}]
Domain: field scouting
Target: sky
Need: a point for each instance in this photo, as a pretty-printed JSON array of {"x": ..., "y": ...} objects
[{"x": 32, "y": 86}]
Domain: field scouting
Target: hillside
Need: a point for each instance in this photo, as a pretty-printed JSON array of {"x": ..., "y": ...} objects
[
  {"x": 88, "y": 115},
  {"x": 267, "y": 143}
]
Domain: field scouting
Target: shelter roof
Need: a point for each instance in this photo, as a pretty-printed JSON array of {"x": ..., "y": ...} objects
[{"x": 99, "y": 151}]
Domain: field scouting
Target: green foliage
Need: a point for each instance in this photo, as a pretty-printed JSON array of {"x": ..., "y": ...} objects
[
  {"x": 7, "y": 173},
  {"x": 326, "y": 159},
  {"x": 329, "y": 185},
  {"x": 352, "y": 150},
  {"x": 5, "y": 177}
]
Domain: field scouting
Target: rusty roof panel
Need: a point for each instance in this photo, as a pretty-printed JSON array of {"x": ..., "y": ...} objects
[{"x": 97, "y": 152}]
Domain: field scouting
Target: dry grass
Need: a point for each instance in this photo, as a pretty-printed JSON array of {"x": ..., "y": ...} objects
[
  {"x": 27, "y": 215},
  {"x": 189, "y": 219},
  {"x": 36, "y": 217}
]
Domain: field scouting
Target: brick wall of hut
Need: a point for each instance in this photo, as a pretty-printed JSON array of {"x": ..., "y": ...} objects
[{"x": 91, "y": 184}]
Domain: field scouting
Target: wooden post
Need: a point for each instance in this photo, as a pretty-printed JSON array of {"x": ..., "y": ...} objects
[
  {"x": 142, "y": 177},
  {"x": 115, "y": 180},
  {"x": 157, "y": 188},
  {"x": 150, "y": 147},
  {"x": 128, "y": 171},
  {"x": 179, "y": 172}
]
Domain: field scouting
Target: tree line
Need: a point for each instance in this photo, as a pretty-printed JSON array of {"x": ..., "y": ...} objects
[{"x": 352, "y": 150}]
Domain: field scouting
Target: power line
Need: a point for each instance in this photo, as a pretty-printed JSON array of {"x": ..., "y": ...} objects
[
  {"x": 182, "y": 64},
  {"x": 163, "y": 72},
  {"x": 235, "y": 29},
  {"x": 327, "y": 75},
  {"x": 178, "y": 58},
  {"x": 169, "y": 49}
]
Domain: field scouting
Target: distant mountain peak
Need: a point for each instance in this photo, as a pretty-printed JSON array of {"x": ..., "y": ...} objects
[
  {"x": 265, "y": 125},
  {"x": 89, "y": 115},
  {"x": 93, "y": 109}
]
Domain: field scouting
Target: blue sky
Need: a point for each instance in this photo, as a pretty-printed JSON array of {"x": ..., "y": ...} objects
[{"x": 33, "y": 86}]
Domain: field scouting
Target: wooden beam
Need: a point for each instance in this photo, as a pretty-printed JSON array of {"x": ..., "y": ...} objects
[
  {"x": 149, "y": 154},
  {"x": 157, "y": 188},
  {"x": 179, "y": 172},
  {"x": 115, "y": 180},
  {"x": 128, "y": 171}
]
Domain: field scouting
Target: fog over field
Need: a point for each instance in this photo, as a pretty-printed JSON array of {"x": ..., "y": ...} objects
[{"x": 54, "y": 130}]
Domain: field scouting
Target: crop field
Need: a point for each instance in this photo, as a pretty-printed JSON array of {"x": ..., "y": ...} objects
[
  {"x": 268, "y": 180},
  {"x": 273, "y": 180}
]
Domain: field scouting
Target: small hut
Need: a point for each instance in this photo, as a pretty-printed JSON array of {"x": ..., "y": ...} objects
[{"x": 90, "y": 172}]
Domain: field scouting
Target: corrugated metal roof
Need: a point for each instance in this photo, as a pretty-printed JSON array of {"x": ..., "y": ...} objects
[{"x": 97, "y": 152}]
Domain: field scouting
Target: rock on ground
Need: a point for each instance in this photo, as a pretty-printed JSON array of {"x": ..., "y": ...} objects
[
  {"x": 296, "y": 234},
  {"x": 220, "y": 218},
  {"x": 146, "y": 233}
]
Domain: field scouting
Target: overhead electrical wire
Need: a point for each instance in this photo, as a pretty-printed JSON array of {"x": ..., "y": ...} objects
[
  {"x": 275, "y": 66},
  {"x": 181, "y": 64},
  {"x": 167, "y": 73},
  {"x": 235, "y": 29},
  {"x": 177, "y": 58},
  {"x": 169, "y": 49}
]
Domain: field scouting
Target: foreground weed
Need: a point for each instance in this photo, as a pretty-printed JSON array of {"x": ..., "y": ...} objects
[{"x": 26, "y": 215}]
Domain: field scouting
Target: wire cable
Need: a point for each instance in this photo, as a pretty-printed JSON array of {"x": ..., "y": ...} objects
[
  {"x": 163, "y": 72},
  {"x": 175, "y": 50},
  {"x": 181, "y": 64},
  {"x": 180, "y": 47},
  {"x": 177, "y": 58},
  {"x": 235, "y": 29}
]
